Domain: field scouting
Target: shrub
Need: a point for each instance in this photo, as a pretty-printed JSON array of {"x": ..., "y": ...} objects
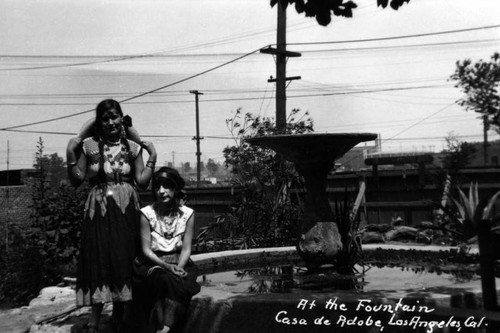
[
  {"x": 45, "y": 249},
  {"x": 268, "y": 212}
]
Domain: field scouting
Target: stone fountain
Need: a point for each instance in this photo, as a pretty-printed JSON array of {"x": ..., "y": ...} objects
[{"x": 314, "y": 156}]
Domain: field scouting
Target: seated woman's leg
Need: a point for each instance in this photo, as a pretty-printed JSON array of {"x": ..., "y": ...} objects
[{"x": 174, "y": 294}]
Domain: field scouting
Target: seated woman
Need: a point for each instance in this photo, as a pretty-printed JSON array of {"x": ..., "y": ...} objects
[{"x": 165, "y": 277}]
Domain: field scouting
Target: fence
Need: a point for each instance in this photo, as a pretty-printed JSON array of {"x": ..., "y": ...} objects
[{"x": 406, "y": 193}]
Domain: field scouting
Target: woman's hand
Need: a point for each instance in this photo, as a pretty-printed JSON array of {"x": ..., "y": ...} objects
[
  {"x": 176, "y": 270},
  {"x": 150, "y": 148},
  {"x": 74, "y": 144}
]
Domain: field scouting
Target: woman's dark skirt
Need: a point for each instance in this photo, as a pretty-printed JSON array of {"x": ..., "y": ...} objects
[
  {"x": 161, "y": 298},
  {"x": 108, "y": 245}
]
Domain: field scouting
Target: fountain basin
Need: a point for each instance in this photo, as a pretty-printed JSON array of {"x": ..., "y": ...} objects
[{"x": 218, "y": 309}]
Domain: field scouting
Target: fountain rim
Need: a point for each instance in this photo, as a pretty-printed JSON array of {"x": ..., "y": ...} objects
[{"x": 215, "y": 259}]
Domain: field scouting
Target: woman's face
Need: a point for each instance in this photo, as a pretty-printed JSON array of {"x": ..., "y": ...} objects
[
  {"x": 165, "y": 193},
  {"x": 110, "y": 123}
]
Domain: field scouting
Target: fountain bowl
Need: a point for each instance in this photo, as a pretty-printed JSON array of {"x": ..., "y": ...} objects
[{"x": 313, "y": 147}]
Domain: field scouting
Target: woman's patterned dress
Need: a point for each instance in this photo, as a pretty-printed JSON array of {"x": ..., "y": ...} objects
[{"x": 110, "y": 225}]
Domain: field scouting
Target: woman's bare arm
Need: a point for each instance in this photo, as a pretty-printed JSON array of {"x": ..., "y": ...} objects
[
  {"x": 143, "y": 173},
  {"x": 187, "y": 243},
  {"x": 76, "y": 162}
]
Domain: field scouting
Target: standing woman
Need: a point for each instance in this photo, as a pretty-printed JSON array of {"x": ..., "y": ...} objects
[
  {"x": 113, "y": 165},
  {"x": 165, "y": 277}
]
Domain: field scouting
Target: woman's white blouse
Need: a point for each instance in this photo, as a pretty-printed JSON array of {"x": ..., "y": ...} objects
[{"x": 167, "y": 234}]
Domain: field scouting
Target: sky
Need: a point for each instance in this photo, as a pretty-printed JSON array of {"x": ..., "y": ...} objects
[{"x": 382, "y": 71}]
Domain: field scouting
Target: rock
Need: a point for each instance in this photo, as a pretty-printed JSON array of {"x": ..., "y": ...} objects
[
  {"x": 443, "y": 240},
  {"x": 378, "y": 227},
  {"x": 50, "y": 303},
  {"x": 52, "y": 295},
  {"x": 401, "y": 233},
  {"x": 424, "y": 237},
  {"x": 15, "y": 312},
  {"x": 425, "y": 224},
  {"x": 321, "y": 243},
  {"x": 397, "y": 221},
  {"x": 370, "y": 237}
]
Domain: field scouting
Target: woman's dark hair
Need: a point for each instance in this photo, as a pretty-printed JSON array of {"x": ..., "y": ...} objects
[{"x": 168, "y": 177}]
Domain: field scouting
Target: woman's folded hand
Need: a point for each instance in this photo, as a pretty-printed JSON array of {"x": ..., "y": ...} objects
[{"x": 176, "y": 270}]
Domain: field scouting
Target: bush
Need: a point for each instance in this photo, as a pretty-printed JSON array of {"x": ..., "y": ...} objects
[
  {"x": 268, "y": 212},
  {"x": 45, "y": 249}
]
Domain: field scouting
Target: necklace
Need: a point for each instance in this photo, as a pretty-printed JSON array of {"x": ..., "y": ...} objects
[
  {"x": 112, "y": 143},
  {"x": 168, "y": 222},
  {"x": 116, "y": 163},
  {"x": 167, "y": 216}
]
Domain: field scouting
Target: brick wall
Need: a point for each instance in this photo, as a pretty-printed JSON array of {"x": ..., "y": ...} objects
[{"x": 15, "y": 204}]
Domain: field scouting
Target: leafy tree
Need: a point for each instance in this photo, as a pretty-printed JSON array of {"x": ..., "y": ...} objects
[
  {"x": 458, "y": 154},
  {"x": 251, "y": 163},
  {"x": 479, "y": 81},
  {"x": 212, "y": 167},
  {"x": 54, "y": 167},
  {"x": 43, "y": 250},
  {"x": 322, "y": 10},
  {"x": 186, "y": 167},
  {"x": 57, "y": 211},
  {"x": 267, "y": 215}
]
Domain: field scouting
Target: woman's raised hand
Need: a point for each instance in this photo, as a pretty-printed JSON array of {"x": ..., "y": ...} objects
[
  {"x": 73, "y": 144},
  {"x": 150, "y": 148}
]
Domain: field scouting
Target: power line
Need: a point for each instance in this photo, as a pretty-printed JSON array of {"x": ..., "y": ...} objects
[
  {"x": 158, "y": 53},
  {"x": 422, "y": 120},
  {"x": 397, "y": 37},
  {"x": 403, "y": 46},
  {"x": 218, "y": 55},
  {"x": 141, "y": 94},
  {"x": 232, "y": 54},
  {"x": 302, "y": 82},
  {"x": 208, "y": 101}
]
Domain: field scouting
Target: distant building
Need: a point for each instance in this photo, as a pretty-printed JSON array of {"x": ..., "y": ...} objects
[{"x": 354, "y": 159}]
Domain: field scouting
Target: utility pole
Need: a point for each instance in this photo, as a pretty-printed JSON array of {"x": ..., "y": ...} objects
[
  {"x": 197, "y": 137},
  {"x": 173, "y": 159},
  {"x": 281, "y": 54},
  {"x": 7, "y": 194},
  {"x": 485, "y": 139}
]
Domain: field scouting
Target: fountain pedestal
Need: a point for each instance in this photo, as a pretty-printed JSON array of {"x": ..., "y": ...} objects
[{"x": 314, "y": 156}]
